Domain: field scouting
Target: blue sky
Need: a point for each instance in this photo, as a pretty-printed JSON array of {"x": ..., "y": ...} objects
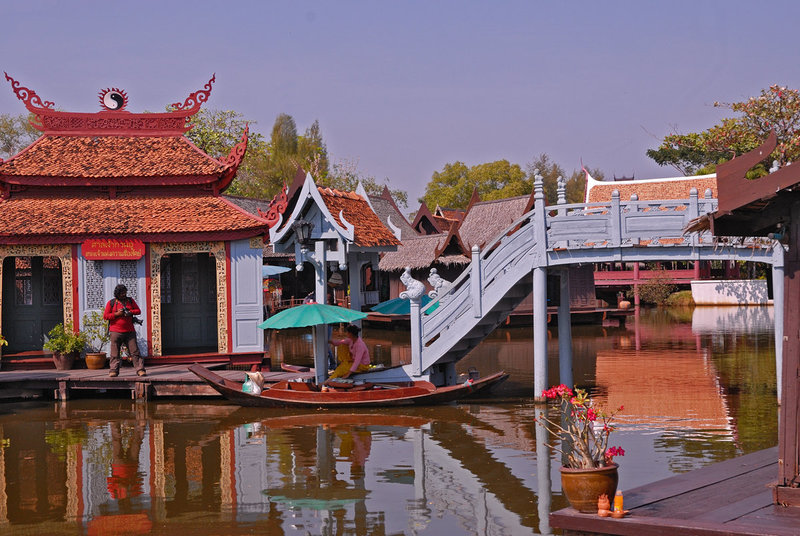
[{"x": 406, "y": 87}]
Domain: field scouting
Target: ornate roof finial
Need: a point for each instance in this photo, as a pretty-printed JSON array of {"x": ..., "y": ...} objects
[
  {"x": 32, "y": 101},
  {"x": 195, "y": 100},
  {"x": 113, "y": 99}
]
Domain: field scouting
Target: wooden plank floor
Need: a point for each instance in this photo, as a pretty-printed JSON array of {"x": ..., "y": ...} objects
[
  {"x": 730, "y": 498},
  {"x": 161, "y": 381}
]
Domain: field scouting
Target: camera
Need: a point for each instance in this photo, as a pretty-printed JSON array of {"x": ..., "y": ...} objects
[
  {"x": 126, "y": 311},
  {"x": 137, "y": 320}
]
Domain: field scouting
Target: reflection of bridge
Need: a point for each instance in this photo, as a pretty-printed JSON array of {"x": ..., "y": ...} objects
[{"x": 553, "y": 238}]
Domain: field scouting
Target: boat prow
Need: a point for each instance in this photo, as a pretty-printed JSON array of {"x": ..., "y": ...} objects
[{"x": 361, "y": 394}]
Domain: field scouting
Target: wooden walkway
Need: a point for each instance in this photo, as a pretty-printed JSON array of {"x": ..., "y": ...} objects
[
  {"x": 161, "y": 381},
  {"x": 729, "y": 498}
]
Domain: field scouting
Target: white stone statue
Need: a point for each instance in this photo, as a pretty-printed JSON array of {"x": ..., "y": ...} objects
[
  {"x": 414, "y": 289},
  {"x": 437, "y": 282}
]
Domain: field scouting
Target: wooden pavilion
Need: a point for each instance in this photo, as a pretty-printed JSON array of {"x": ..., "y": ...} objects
[{"x": 119, "y": 197}]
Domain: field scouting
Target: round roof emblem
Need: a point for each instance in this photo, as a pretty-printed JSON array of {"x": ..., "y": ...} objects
[{"x": 113, "y": 99}]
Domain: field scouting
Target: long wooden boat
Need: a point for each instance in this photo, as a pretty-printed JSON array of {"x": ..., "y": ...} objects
[{"x": 302, "y": 394}]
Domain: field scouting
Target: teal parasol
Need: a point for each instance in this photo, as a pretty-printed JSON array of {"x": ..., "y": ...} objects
[
  {"x": 311, "y": 314},
  {"x": 400, "y": 306}
]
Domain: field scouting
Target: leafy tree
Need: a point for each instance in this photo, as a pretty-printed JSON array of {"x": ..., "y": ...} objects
[
  {"x": 776, "y": 108},
  {"x": 346, "y": 176},
  {"x": 266, "y": 165},
  {"x": 16, "y": 133},
  {"x": 452, "y": 187},
  {"x": 454, "y": 184}
]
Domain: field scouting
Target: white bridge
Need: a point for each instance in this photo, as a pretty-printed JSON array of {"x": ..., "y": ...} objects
[{"x": 551, "y": 238}]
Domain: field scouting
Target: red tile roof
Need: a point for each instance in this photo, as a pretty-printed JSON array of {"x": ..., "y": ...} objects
[
  {"x": 74, "y": 214},
  {"x": 652, "y": 190},
  {"x": 82, "y": 157},
  {"x": 369, "y": 230}
]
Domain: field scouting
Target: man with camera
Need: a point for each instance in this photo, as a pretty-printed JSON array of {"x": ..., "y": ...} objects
[{"x": 120, "y": 313}]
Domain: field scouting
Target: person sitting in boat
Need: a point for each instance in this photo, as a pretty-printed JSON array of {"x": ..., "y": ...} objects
[{"x": 355, "y": 359}]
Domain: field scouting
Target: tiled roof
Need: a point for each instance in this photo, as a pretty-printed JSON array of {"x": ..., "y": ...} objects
[
  {"x": 369, "y": 230},
  {"x": 127, "y": 214},
  {"x": 82, "y": 157},
  {"x": 653, "y": 189},
  {"x": 486, "y": 219}
]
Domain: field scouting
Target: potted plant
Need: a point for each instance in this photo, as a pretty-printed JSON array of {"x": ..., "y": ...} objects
[
  {"x": 95, "y": 330},
  {"x": 65, "y": 344},
  {"x": 588, "y": 469}
]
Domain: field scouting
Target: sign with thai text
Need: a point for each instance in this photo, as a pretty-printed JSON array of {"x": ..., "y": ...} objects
[{"x": 110, "y": 249}]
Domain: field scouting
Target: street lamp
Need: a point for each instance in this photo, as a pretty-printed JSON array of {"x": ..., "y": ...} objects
[{"x": 302, "y": 231}]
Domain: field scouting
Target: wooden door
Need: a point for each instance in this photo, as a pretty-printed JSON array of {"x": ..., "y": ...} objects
[
  {"x": 32, "y": 301},
  {"x": 188, "y": 303}
]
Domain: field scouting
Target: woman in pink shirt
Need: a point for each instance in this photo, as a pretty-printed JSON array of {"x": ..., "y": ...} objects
[{"x": 358, "y": 353}]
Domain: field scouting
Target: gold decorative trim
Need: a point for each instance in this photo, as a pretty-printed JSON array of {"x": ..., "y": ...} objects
[
  {"x": 257, "y": 242},
  {"x": 64, "y": 254},
  {"x": 217, "y": 249}
]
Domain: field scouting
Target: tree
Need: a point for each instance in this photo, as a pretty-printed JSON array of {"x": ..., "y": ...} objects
[
  {"x": 776, "y": 108},
  {"x": 266, "y": 165},
  {"x": 16, "y": 133},
  {"x": 345, "y": 176},
  {"x": 452, "y": 186}
]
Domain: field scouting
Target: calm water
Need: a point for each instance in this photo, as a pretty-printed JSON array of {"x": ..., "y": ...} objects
[{"x": 697, "y": 388}]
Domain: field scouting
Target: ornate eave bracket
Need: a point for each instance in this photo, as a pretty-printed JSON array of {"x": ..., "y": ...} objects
[
  {"x": 274, "y": 213},
  {"x": 233, "y": 160},
  {"x": 195, "y": 100},
  {"x": 32, "y": 101}
]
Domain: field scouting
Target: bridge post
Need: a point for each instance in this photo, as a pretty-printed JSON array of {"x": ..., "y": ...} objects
[
  {"x": 616, "y": 220},
  {"x": 778, "y": 304},
  {"x": 564, "y": 331},
  {"x": 694, "y": 212},
  {"x": 544, "y": 492},
  {"x": 476, "y": 281},
  {"x": 539, "y": 332}
]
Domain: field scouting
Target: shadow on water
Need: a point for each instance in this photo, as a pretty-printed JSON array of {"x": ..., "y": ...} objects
[{"x": 697, "y": 386}]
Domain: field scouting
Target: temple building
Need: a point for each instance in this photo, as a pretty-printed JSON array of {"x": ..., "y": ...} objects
[{"x": 119, "y": 197}]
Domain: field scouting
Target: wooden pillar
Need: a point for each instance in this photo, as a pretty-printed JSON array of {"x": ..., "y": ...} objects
[
  {"x": 788, "y": 426},
  {"x": 354, "y": 276},
  {"x": 539, "y": 332},
  {"x": 636, "y": 301},
  {"x": 416, "y": 336},
  {"x": 778, "y": 305},
  {"x": 320, "y": 333},
  {"x": 564, "y": 332}
]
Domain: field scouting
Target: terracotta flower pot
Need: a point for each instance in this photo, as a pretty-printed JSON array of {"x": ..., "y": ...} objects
[
  {"x": 583, "y": 487},
  {"x": 95, "y": 360},
  {"x": 64, "y": 361}
]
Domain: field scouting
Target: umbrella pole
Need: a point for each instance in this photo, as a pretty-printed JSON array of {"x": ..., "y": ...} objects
[{"x": 320, "y": 337}]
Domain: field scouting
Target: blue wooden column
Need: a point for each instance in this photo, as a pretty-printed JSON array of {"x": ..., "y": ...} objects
[
  {"x": 565, "y": 332},
  {"x": 778, "y": 303},
  {"x": 539, "y": 332},
  {"x": 539, "y": 290}
]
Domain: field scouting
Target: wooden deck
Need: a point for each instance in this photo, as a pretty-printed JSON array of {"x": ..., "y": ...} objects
[
  {"x": 729, "y": 498},
  {"x": 161, "y": 381}
]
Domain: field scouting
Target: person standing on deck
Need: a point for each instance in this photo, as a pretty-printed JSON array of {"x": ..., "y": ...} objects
[
  {"x": 120, "y": 312},
  {"x": 358, "y": 353}
]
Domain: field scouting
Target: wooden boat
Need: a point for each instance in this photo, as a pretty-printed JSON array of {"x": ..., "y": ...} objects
[
  {"x": 302, "y": 394},
  {"x": 286, "y": 367}
]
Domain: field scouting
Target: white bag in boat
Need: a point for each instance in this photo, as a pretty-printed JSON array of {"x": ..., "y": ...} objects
[{"x": 249, "y": 386}]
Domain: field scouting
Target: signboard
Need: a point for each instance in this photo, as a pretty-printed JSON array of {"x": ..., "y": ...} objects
[{"x": 109, "y": 249}]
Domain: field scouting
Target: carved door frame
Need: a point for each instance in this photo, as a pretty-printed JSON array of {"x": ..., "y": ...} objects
[{"x": 217, "y": 249}]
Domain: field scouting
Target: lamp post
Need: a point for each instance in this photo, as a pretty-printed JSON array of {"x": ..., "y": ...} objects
[{"x": 302, "y": 231}]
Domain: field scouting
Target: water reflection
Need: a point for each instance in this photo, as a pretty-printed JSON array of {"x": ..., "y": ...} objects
[{"x": 697, "y": 386}]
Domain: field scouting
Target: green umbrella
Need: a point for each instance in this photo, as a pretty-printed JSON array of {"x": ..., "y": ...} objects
[{"x": 311, "y": 314}]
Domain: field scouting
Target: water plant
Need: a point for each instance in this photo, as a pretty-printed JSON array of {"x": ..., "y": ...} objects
[{"x": 584, "y": 428}]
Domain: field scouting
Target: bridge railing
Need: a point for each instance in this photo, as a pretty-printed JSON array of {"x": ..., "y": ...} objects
[{"x": 619, "y": 223}]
